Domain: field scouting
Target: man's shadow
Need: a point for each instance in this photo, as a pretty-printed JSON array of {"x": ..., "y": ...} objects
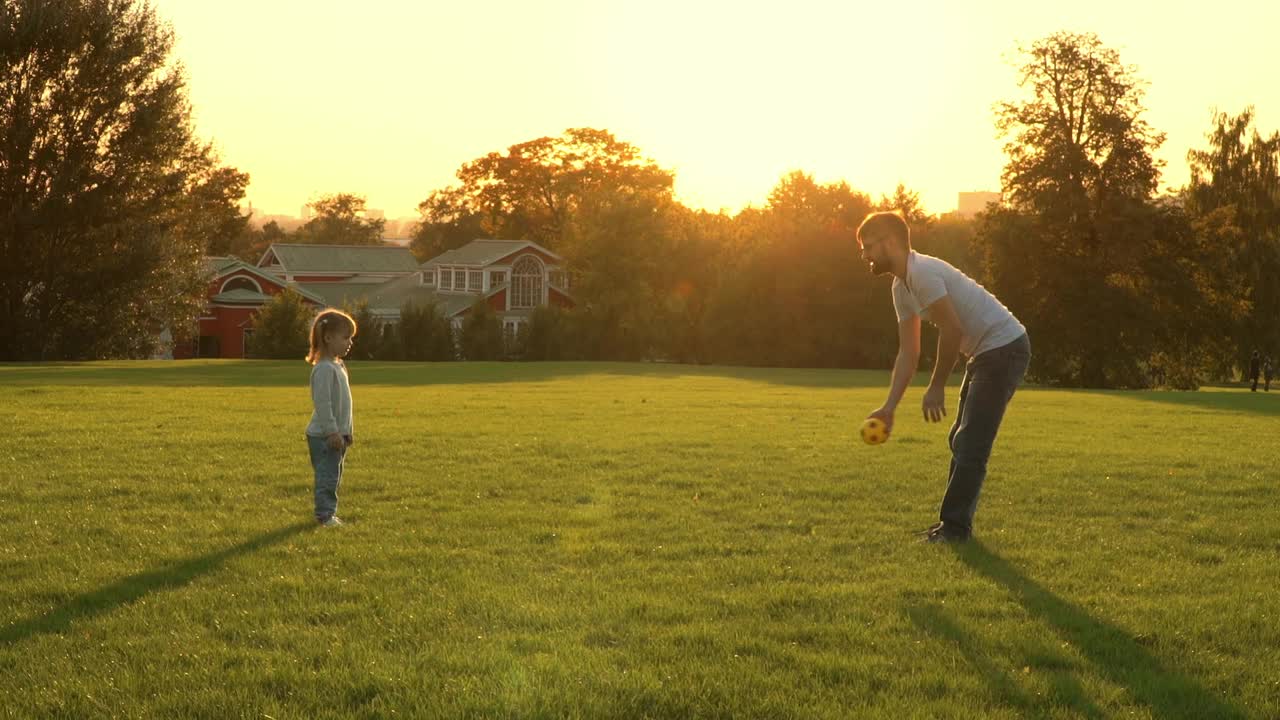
[
  {"x": 1065, "y": 689},
  {"x": 1116, "y": 654},
  {"x": 130, "y": 589}
]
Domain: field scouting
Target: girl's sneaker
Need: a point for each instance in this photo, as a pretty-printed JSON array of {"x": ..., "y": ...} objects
[{"x": 333, "y": 521}]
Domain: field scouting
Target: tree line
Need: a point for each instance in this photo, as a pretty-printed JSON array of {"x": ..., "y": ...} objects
[{"x": 110, "y": 204}]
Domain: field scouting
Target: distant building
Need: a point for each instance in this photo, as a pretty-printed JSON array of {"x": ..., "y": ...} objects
[
  {"x": 401, "y": 227},
  {"x": 969, "y": 204}
]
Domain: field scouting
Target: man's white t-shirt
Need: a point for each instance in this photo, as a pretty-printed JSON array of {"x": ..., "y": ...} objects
[{"x": 986, "y": 324}]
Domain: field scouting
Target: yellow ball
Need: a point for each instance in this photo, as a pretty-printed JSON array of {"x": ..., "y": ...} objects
[{"x": 873, "y": 431}]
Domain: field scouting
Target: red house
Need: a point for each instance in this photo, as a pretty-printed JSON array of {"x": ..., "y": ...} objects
[{"x": 513, "y": 276}]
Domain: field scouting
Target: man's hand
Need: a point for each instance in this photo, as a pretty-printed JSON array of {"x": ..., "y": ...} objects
[
  {"x": 335, "y": 441},
  {"x": 935, "y": 403},
  {"x": 884, "y": 415}
]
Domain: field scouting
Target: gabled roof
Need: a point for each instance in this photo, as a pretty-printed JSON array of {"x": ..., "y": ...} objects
[
  {"x": 214, "y": 264},
  {"x": 338, "y": 259},
  {"x": 240, "y": 296},
  {"x": 223, "y": 266},
  {"x": 220, "y": 266},
  {"x": 451, "y": 305},
  {"x": 394, "y": 295},
  {"x": 483, "y": 252},
  {"x": 339, "y": 294}
]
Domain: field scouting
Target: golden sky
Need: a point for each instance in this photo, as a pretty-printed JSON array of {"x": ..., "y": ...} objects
[{"x": 387, "y": 98}]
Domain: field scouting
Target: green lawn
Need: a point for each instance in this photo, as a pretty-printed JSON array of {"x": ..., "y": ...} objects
[{"x": 625, "y": 541}]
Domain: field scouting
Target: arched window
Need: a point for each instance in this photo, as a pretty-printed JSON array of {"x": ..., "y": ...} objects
[
  {"x": 526, "y": 282},
  {"x": 240, "y": 283}
]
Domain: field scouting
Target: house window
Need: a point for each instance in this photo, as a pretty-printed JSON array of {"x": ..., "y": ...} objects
[
  {"x": 526, "y": 282},
  {"x": 240, "y": 283},
  {"x": 460, "y": 280},
  {"x": 446, "y": 280},
  {"x": 475, "y": 281},
  {"x": 559, "y": 279},
  {"x": 429, "y": 278},
  {"x": 497, "y": 278}
]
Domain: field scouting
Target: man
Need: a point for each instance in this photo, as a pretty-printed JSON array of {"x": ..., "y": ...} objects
[
  {"x": 1266, "y": 372},
  {"x": 970, "y": 320},
  {"x": 1253, "y": 371}
]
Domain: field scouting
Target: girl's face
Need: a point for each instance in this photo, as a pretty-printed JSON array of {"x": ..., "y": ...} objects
[{"x": 337, "y": 343}]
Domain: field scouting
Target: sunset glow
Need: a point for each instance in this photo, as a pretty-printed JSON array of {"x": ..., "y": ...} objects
[{"x": 387, "y": 99}]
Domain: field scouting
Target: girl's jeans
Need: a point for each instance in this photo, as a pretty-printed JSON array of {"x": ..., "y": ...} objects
[{"x": 328, "y": 466}]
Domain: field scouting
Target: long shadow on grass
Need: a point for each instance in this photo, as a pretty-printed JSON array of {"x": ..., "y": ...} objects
[
  {"x": 1065, "y": 689},
  {"x": 1259, "y": 403},
  {"x": 1215, "y": 398},
  {"x": 1115, "y": 653},
  {"x": 134, "y": 587}
]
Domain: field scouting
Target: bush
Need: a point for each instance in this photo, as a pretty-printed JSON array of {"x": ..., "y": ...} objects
[
  {"x": 281, "y": 328},
  {"x": 368, "y": 342},
  {"x": 424, "y": 333},
  {"x": 481, "y": 337},
  {"x": 544, "y": 337},
  {"x": 1177, "y": 372}
]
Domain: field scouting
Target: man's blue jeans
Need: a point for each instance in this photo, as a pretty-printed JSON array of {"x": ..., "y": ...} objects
[
  {"x": 990, "y": 380},
  {"x": 327, "y": 463}
]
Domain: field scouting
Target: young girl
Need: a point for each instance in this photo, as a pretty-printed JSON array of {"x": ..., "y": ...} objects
[{"x": 329, "y": 434}]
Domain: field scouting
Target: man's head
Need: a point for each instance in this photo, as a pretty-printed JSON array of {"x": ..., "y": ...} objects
[{"x": 885, "y": 240}]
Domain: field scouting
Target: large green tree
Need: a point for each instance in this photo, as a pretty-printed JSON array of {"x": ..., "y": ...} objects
[
  {"x": 1235, "y": 193},
  {"x": 212, "y": 214},
  {"x": 795, "y": 291},
  {"x": 616, "y": 244},
  {"x": 448, "y": 222},
  {"x": 340, "y": 220},
  {"x": 531, "y": 191},
  {"x": 1068, "y": 252},
  {"x": 99, "y": 173}
]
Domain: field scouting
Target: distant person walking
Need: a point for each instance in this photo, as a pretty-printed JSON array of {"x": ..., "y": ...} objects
[
  {"x": 329, "y": 433},
  {"x": 970, "y": 320},
  {"x": 1254, "y": 367},
  {"x": 1266, "y": 373}
]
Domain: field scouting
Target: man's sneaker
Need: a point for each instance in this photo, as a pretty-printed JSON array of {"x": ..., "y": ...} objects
[
  {"x": 333, "y": 521},
  {"x": 929, "y": 530},
  {"x": 942, "y": 534}
]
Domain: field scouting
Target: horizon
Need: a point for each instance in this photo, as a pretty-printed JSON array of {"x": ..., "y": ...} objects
[{"x": 401, "y": 95}]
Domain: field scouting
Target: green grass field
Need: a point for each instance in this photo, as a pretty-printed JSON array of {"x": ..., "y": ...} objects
[{"x": 625, "y": 541}]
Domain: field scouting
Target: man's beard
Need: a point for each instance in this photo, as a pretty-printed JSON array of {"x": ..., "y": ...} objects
[{"x": 877, "y": 268}]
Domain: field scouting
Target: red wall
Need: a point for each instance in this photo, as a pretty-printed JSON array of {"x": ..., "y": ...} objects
[
  {"x": 498, "y": 301},
  {"x": 555, "y": 297},
  {"x": 225, "y": 323},
  {"x": 228, "y": 325}
]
